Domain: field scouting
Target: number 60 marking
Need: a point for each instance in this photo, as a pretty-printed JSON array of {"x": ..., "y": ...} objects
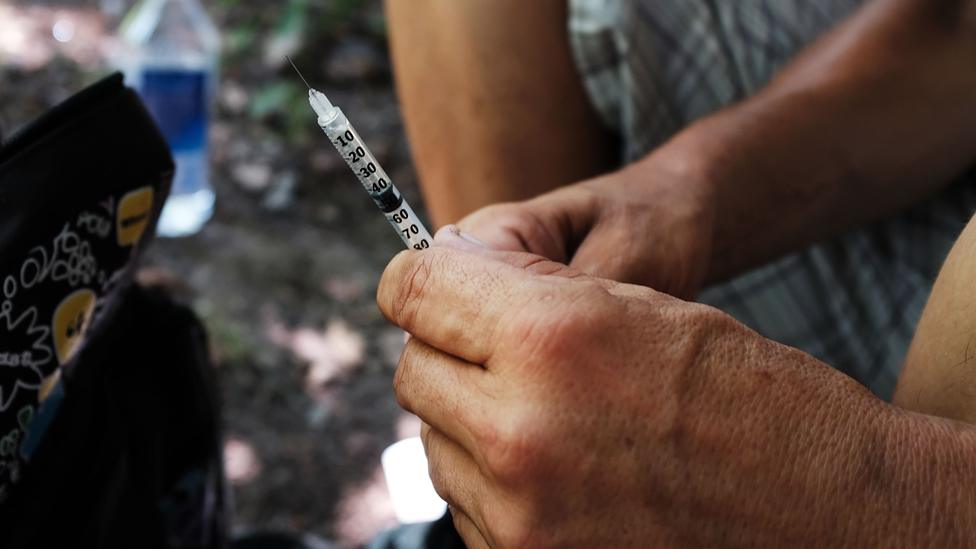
[{"x": 401, "y": 216}]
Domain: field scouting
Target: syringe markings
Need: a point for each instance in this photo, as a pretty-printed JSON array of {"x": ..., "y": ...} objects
[{"x": 371, "y": 175}]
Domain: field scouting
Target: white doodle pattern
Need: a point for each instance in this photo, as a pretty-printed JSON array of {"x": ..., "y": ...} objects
[
  {"x": 70, "y": 259},
  {"x": 67, "y": 259},
  {"x": 94, "y": 224},
  {"x": 108, "y": 205},
  {"x": 39, "y": 354},
  {"x": 16, "y": 359}
]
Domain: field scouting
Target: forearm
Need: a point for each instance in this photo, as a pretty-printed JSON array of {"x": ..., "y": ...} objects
[
  {"x": 911, "y": 485},
  {"x": 849, "y": 469},
  {"x": 919, "y": 478},
  {"x": 875, "y": 116},
  {"x": 908, "y": 482},
  {"x": 494, "y": 108}
]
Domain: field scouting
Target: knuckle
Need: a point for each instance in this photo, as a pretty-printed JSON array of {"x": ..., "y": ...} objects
[
  {"x": 398, "y": 388},
  {"x": 522, "y": 533},
  {"x": 547, "y": 332},
  {"x": 707, "y": 321},
  {"x": 437, "y": 478},
  {"x": 409, "y": 295},
  {"x": 438, "y": 471},
  {"x": 542, "y": 266},
  {"x": 557, "y": 328},
  {"x": 697, "y": 334},
  {"x": 402, "y": 377},
  {"x": 437, "y": 474},
  {"x": 513, "y": 452}
]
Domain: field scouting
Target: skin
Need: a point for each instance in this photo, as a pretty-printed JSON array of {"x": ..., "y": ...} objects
[
  {"x": 813, "y": 154},
  {"x": 478, "y": 81},
  {"x": 567, "y": 410},
  {"x": 564, "y": 410},
  {"x": 939, "y": 377}
]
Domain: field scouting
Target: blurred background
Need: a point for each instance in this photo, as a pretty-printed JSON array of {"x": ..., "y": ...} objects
[{"x": 284, "y": 273}]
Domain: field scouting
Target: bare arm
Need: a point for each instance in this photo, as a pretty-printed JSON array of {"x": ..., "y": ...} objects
[
  {"x": 876, "y": 115},
  {"x": 939, "y": 377},
  {"x": 494, "y": 108},
  {"x": 873, "y": 117}
]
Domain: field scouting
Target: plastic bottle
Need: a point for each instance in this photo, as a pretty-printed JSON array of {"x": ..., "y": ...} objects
[{"x": 171, "y": 50}]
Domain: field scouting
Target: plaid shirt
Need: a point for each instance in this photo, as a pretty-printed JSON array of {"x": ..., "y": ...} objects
[{"x": 651, "y": 67}]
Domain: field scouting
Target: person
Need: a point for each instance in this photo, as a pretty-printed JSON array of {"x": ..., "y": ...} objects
[{"x": 570, "y": 406}]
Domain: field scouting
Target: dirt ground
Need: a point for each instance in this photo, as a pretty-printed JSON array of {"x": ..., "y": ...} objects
[{"x": 285, "y": 273}]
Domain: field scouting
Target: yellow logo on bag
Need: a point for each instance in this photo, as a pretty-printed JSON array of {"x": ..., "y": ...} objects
[
  {"x": 133, "y": 216},
  {"x": 70, "y": 323}
]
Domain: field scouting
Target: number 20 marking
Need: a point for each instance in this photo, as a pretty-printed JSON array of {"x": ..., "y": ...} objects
[{"x": 356, "y": 155}]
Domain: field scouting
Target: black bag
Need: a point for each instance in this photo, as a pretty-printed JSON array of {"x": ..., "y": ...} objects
[{"x": 109, "y": 431}]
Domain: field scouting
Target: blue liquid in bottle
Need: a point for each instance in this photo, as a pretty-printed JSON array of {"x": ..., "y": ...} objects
[
  {"x": 172, "y": 60},
  {"x": 178, "y": 99}
]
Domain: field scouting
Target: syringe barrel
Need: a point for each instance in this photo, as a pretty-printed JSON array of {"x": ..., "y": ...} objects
[{"x": 376, "y": 181}]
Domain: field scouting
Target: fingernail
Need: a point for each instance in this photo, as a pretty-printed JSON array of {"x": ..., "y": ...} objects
[{"x": 452, "y": 237}]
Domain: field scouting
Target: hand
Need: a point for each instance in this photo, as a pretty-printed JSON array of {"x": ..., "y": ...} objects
[
  {"x": 648, "y": 224},
  {"x": 566, "y": 410}
]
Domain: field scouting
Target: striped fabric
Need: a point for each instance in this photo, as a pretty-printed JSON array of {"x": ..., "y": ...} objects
[{"x": 651, "y": 67}]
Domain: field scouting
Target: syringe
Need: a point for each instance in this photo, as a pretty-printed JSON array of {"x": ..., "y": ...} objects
[{"x": 362, "y": 162}]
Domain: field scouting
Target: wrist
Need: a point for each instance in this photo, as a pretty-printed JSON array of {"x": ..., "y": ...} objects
[
  {"x": 849, "y": 470},
  {"x": 678, "y": 183},
  {"x": 904, "y": 479},
  {"x": 670, "y": 212},
  {"x": 924, "y": 471},
  {"x": 718, "y": 167}
]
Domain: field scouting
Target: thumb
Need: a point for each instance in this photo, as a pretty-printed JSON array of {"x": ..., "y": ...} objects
[
  {"x": 550, "y": 226},
  {"x": 607, "y": 252},
  {"x": 450, "y": 236}
]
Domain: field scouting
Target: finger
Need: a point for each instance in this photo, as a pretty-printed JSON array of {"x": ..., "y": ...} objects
[
  {"x": 442, "y": 390},
  {"x": 465, "y": 527},
  {"x": 550, "y": 225},
  {"x": 558, "y": 270},
  {"x": 458, "y": 301},
  {"x": 455, "y": 475},
  {"x": 620, "y": 273},
  {"x": 452, "y": 237},
  {"x": 593, "y": 258},
  {"x": 550, "y": 268},
  {"x": 567, "y": 216},
  {"x": 669, "y": 264},
  {"x": 516, "y": 228}
]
